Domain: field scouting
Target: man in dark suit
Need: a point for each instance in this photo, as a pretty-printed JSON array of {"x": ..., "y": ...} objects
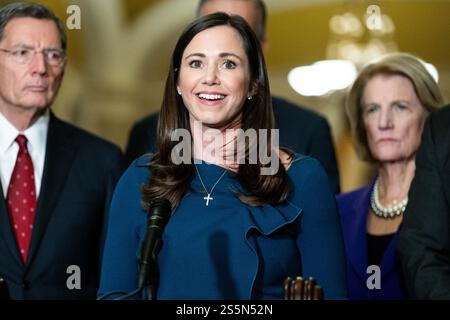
[
  {"x": 424, "y": 240},
  {"x": 301, "y": 130},
  {"x": 56, "y": 179}
]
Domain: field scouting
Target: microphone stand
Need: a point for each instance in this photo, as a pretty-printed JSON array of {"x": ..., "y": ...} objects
[
  {"x": 151, "y": 283},
  {"x": 148, "y": 281}
]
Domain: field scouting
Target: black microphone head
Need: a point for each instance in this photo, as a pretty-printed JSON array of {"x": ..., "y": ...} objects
[
  {"x": 158, "y": 215},
  {"x": 159, "y": 212}
]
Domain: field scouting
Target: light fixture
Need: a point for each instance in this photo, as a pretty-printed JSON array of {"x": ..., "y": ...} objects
[
  {"x": 353, "y": 43},
  {"x": 361, "y": 40},
  {"x": 322, "y": 77}
]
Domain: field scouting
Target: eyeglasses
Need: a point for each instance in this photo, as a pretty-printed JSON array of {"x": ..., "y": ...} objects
[{"x": 54, "y": 57}]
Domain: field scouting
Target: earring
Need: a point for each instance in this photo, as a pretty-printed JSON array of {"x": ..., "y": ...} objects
[
  {"x": 179, "y": 91},
  {"x": 249, "y": 97}
]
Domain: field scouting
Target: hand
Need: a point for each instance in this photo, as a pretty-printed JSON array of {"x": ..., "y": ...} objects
[{"x": 299, "y": 289}]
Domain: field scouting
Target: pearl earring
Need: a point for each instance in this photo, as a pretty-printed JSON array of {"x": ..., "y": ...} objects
[{"x": 249, "y": 97}]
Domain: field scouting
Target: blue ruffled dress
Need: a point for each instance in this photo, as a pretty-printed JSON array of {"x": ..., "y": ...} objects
[{"x": 228, "y": 249}]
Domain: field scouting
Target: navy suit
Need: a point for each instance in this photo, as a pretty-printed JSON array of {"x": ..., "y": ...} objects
[
  {"x": 301, "y": 130},
  {"x": 80, "y": 173},
  {"x": 424, "y": 241},
  {"x": 353, "y": 209}
]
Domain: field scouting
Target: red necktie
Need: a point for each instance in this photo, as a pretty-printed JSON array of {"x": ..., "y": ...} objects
[{"x": 22, "y": 197}]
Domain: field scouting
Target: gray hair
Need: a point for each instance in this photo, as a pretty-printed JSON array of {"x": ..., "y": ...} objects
[{"x": 30, "y": 10}]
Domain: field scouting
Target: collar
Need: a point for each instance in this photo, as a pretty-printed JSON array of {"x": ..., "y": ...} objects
[{"x": 36, "y": 134}]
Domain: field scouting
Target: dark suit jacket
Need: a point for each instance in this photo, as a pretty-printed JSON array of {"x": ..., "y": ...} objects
[
  {"x": 79, "y": 175},
  {"x": 353, "y": 208},
  {"x": 301, "y": 130},
  {"x": 424, "y": 241}
]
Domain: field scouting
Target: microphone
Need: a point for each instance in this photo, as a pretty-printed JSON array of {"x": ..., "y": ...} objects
[{"x": 158, "y": 216}]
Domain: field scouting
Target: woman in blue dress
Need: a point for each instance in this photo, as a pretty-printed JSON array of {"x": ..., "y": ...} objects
[{"x": 245, "y": 214}]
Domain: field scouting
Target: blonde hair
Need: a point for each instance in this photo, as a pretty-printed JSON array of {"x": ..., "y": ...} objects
[{"x": 407, "y": 65}]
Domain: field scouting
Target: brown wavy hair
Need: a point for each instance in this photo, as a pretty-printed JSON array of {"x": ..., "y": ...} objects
[{"x": 172, "y": 181}]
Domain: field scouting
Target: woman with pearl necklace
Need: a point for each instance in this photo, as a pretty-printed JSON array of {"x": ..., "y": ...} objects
[{"x": 387, "y": 106}]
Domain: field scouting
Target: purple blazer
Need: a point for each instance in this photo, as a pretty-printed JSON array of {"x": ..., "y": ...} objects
[{"x": 353, "y": 207}]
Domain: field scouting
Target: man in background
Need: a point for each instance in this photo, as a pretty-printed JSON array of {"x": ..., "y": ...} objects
[
  {"x": 56, "y": 180},
  {"x": 301, "y": 130},
  {"x": 424, "y": 239}
]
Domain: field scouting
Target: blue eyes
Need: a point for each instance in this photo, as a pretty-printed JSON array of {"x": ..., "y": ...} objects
[
  {"x": 227, "y": 64},
  {"x": 195, "y": 64},
  {"x": 373, "y": 108}
]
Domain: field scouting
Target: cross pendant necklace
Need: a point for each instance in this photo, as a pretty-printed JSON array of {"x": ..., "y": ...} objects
[
  {"x": 207, "y": 198},
  {"x": 208, "y": 194}
]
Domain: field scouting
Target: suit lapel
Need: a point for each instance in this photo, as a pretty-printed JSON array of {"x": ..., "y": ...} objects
[
  {"x": 6, "y": 232},
  {"x": 445, "y": 175},
  {"x": 356, "y": 226},
  {"x": 60, "y": 152},
  {"x": 389, "y": 258},
  {"x": 356, "y": 229}
]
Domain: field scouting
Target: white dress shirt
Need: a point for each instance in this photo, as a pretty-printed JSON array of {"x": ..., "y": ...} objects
[{"x": 37, "y": 140}]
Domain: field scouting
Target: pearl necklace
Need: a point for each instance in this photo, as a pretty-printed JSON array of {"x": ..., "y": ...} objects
[{"x": 393, "y": 210}]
